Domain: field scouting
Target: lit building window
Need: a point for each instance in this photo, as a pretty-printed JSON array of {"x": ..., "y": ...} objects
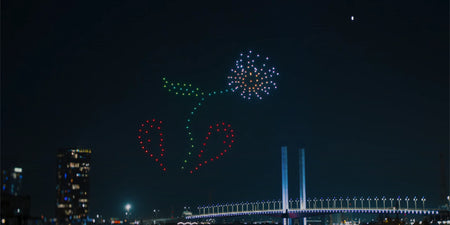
[
  {"x": 72, "y": 173},
  {"x": 74, "y": 165}
]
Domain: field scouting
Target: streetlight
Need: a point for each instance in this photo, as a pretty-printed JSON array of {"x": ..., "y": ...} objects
[
  {"x": 321, "y": 203},
  {"x": 355, "y": 199},
  {"x": 368, "y": 199},
  {"x": 376, "y": 202},
  {"x": 328, "y": 201},
  {"x": 399, "y": 199},
  {"x": 155, "y": 212},
  {"x": 384, "y": 202},
  {"x": 362, "y": 202},
  {"x": 309, "y": 203},
  {"x": 348, "y": 202},
  {"x": 392, "y": 202},
  {"x": 407, "y": 202},
  {"x": 423, "y": 202},
  {"x": 315, "y": 203},
  {"x": 415, "y": 202},
  {"x": 340, "y": 200},
  {"x": 127, "y": 210},
  {"x": 297, "y": 201},
  {"x": 334, "y": 202}
]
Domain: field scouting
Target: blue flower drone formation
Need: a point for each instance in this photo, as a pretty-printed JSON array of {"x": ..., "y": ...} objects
[{"x": 252, "y": 76}]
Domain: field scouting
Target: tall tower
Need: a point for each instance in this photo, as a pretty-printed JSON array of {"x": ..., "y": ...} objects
[
  {"x": 72, "y": 185},
  {"x": 284, "y": 185},
  {"x": 302, "y": 181}
]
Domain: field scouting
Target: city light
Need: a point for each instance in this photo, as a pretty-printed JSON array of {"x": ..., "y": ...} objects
[
  {"x": 127, "y": 207},
  {"x": 258, "y": 208},
  {"x": 185, "y": 121}
]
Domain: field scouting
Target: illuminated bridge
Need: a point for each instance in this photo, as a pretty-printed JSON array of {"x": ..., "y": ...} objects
[
  {"x": 316, "y": 207},
  {"x": 303, "y": 207}
]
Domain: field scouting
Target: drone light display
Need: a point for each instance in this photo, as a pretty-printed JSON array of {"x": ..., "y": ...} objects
[
  {"x": 252, "y": 77},
  {"x": 150, "y": 132},
  {"x": 228, "y": 140}
]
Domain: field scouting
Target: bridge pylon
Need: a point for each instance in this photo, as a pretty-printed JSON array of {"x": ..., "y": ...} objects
[
  {"x": 302, "y": 165},
  {"x": 284, "y": 184}
]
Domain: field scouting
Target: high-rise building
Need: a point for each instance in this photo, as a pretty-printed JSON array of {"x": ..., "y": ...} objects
[
  {"x": 72, "y": 185},
  {"x": 15, "y": 206},
  {"x": 12, "y": 181}
]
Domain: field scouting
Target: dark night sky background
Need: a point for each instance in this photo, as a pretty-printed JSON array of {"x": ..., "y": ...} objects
[{"x": 368, "y": 99}]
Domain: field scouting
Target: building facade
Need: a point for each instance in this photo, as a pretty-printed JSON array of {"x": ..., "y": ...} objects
[
  {"x": 12, "y": 181},
  {"x": 15, "y": 207},
  {"x": 72, "y": 185}
]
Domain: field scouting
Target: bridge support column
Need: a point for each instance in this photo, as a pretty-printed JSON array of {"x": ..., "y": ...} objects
[
  {"x": 302, "y": 183},
  {"x": 284, "y": 186}
]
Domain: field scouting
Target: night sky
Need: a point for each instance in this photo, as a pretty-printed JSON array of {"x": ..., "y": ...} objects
[{"x": 368, "y": 99}]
